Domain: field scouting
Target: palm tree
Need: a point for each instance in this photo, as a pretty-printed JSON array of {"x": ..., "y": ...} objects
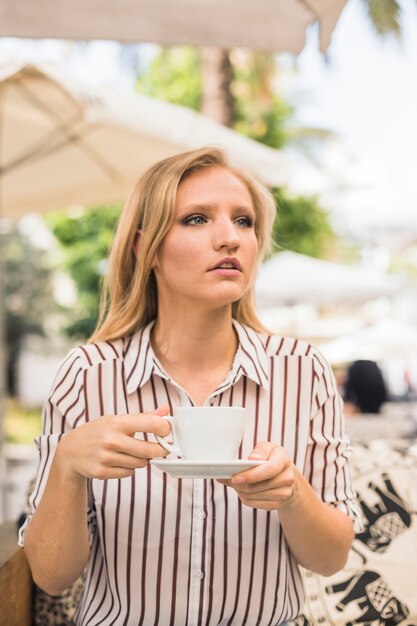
[{"x": 217, "y": 73}]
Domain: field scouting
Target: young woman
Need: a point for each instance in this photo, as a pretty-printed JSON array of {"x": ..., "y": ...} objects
[{"x": 180, "y": 329}]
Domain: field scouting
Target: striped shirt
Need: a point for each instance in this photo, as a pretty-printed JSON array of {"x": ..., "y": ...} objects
[{"x": 187, "y": 552}]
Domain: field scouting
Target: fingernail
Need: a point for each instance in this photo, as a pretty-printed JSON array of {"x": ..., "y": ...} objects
[
  {"x": 238, "y": 480},
  {"x": 256, "y": 455}
]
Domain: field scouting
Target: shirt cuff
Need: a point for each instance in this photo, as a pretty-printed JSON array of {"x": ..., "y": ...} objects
[{"x": 353, "y": 511}]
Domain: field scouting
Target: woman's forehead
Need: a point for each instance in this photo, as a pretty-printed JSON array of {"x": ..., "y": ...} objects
[{"x": 210, "y": 184}]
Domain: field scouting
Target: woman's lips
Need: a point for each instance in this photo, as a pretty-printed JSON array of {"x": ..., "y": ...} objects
[
  {"x": 228, "y": 263},
  {"x": 224, "y": 271}
]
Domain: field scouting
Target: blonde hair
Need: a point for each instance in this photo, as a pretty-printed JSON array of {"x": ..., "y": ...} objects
[{"x": 129, "y": 296}]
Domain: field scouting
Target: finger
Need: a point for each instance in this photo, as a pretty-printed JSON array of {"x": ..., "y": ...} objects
[
  {"x": 115, "y": 472},
  {"x": 248, "y": 476},
  {"x": 112, "y": 443},
  {"x": 129, "y": 461},
  {"x": 260, "y": 474},
  {"x": 151, "y": 422},
  {"x": 262, "y": 450},
  {"x": 264, "y": 485},
  {"x": 265, "y": 505},
  {"x": 244, "y": 486},
  {"x": 124, "y": 464},
  {"x": 276, "y": 485},
  {"x": 277, "y": 497},
  {"x": 278, "y": 461},
  {"x": 125, "y": 460},
  {"x": 279, "y": 493},
  {"x": 282, "y": 479},
  {"x": 136, "y": 448}
]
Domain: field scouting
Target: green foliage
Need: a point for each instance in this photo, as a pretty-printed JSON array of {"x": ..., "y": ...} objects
[
  {"x": 174, "y": 75},
  {"x": 259, "y": 111},
  {"x": 21, "y": 425},
  {"x": 267, "y": 125},
  {"x": 384, "y": 16},
  {"x": 28, "y": 294},
  {"x": 85, "y": 239},
  {"x": 302, "y": 225}
]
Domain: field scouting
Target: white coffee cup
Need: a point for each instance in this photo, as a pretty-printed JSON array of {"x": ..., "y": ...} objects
[{"x": 205, "y": 433}]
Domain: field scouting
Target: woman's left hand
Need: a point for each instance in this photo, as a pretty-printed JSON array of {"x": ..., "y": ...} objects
[{"x": 271, "y": 485}]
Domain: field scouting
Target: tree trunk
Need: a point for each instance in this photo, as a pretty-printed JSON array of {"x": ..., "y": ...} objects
[
  {"x": 11, "y": 374},
  {"x": 217, "y": 101}
]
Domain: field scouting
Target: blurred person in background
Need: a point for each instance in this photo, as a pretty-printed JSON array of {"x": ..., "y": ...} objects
[{"x": 364, "y": 389}]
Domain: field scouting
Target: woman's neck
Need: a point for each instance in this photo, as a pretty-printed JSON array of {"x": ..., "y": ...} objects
[
  {"x": 197, "y": 352},
  {"x": 202, "y": 341}
]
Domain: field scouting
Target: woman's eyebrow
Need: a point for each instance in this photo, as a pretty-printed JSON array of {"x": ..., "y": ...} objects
[
  {"x": 199, "y": 206},
  {"x": 203, "y": 206}
]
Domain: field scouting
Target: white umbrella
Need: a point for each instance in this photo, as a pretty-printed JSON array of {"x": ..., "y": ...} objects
[
  {"x": 385, "y": 339},
  {"x": 289, "y": 278},
  {"x": 274, "y": 25},
  {"x": 63, "y": 143}
]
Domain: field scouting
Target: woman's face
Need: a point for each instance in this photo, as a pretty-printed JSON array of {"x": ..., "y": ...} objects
[{"x": 209, "y": 254}]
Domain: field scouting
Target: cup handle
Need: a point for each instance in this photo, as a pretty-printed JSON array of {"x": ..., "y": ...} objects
[{"x": 163, "y": 440}]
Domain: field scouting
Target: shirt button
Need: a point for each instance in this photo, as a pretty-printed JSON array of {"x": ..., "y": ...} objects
[
  {"x": 201, "y": 515},
  {"x": 200, "y": 575}
]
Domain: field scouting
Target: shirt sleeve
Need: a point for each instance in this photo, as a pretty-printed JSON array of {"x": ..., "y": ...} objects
[
  {"x": 64, "y": 410},
  {"x": 329, "y": 449}
]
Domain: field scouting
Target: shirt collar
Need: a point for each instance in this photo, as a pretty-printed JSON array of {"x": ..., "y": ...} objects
[
  {"x": 251, "y": 355},
  {"x": 140, "y": 361},
  {"x": 139, "y": 358}
]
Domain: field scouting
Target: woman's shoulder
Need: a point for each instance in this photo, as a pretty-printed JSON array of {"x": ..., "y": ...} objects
[
  {"x": 275, "y": 345},
  {"x": 283, "y": 346},
  {"x": 81, "y": 361},
  {"x": 92, "y": 354}
]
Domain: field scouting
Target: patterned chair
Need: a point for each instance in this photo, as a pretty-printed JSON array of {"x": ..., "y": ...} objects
[{"x": 378, "y": 585}]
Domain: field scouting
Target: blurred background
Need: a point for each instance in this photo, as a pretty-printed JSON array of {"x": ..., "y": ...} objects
[{"x": 332, "y": 133}]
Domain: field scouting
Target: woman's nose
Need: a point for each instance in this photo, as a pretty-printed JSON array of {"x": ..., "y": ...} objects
[{"x": 226, "y": 235}]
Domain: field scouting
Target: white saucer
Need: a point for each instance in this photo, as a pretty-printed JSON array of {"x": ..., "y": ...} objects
[{"x": 179, "y": 468}]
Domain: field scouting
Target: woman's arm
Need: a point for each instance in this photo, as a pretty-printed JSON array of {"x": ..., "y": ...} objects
[
  {"x": 56, "y": 539},
  {"x": 319, "y": 535}
]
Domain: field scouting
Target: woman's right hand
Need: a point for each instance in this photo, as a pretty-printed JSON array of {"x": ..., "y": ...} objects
[{"x": 106, "y": 447}]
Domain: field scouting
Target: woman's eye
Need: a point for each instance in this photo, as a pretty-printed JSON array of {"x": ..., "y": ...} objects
[
  {"x": 245, "y": 222},
  {"x": 195, "y": 220}
]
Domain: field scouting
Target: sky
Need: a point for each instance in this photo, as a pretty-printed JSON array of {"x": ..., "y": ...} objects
[
  {"x": 364, "y": 90},
  {"x": 367, "y": 93}
]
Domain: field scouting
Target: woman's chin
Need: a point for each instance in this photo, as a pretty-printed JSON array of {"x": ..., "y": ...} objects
[{"x": 227, "y": 294}]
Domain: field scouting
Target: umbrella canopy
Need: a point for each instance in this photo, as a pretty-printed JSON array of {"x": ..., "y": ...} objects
[
  {"x": 386, "y": 339},
  {"x": 270, "y": 25},
  {"x": 62, "y": 143},
  {"x": 288, "y": 278}
]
